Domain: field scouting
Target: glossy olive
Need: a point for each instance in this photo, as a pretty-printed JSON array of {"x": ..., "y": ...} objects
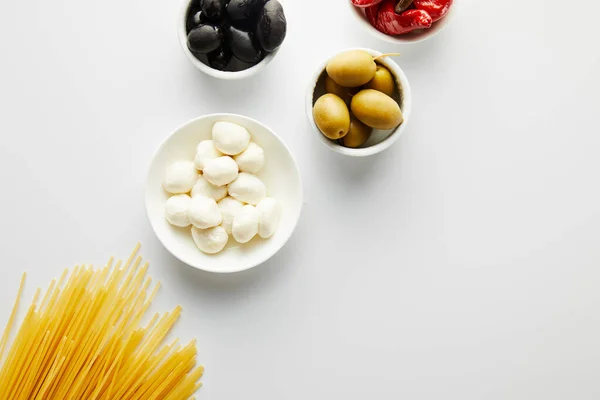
[
  {"x": 376, "y": 109},
  {"x": 243, "y": 45},
  {"x": 382, "y": 81},
  {"x": 343, "y": 92},
  {"x": 220, "y": 58},
  {"x": 358, "y": 134},
  {"x": 204, "y": 39},
  {"x": 272, "y": 26},
  {"x": 214, "y": 9},
  {"x": 242, "y": 13},
  {"x": 331, "y": 116},
  {"x": 195, "y": 18},
  {"x": 352, "y": 68}
]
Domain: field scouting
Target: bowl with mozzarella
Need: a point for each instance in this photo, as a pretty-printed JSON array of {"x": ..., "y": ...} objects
[{"x": 223, "y": 193}]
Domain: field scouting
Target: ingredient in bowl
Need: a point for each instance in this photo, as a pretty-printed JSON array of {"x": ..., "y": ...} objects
[
  {"x": 252, "y": 159},
  {"x": 269, "y": 213},
  {"x": 383, "y": 81},
  {"x": 343, "y": 93},
  {"x": 213, "y": 9},
  {"x": 230, "y": 139},
  {"x": 176, "y": 210},
  {"x": 358, "y": 134},
  {"x": 352, "y": 68},
  {"x": 205, "y": 38},
  {"x": 229, "y": 207},
  {"x": 194, "y": 20},
  {"x": 86, "y": 340},
  {"x": 245, "y": 224},
  {"x": 209, "y": 209},
  {"x": 204, "y": 212},
  {"x": 272, "y": 25},
  {"x": 205, "y": 151},
  {"x": 210, "y": 241},
  {"x": 242, "y": 13},
  {"x": 398, "y": 17},
  {"x": 376, "y": 109},
  {"x": 180, "y": 177},
  {"x": 220, "y": 171},
  {"x": 219, "y": 58},
  {"x": 372, "y": 104},
  {"x": 204, "y": 188},
  {"x": 396, "y": 24},
  {"x": 244, "y": 45},
  {"x": 234, "y": 35},
  {"x": 247, "y": 188},
  {"x": 437, "y": 9},
  {"x": 331, "y": 116},
  {"x": 365, "y": 3}
]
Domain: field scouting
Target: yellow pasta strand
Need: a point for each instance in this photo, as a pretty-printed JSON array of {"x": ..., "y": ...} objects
[{"x": 84, "y": 340}]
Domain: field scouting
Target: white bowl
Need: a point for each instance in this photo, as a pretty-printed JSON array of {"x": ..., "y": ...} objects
[
  {"x": 380, "y": 139},
  {"x": 407, "y": 38},
  {"x": 227, "y": 75},
  {"x": 280, "y": 174}
]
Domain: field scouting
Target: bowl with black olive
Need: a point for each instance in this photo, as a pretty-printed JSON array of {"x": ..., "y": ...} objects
[{"x": 231, "y": 39}]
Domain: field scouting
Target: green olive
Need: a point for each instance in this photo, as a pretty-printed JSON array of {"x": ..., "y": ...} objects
[
  {"x": 332, "y": 116},
  {"x": 358, "y": 134},
  {"x": 332, "y": 87},
  {"x": 376, "y": 109},
  {"x": 382, "y": 81},
  {"x": 352, "y": 68}
]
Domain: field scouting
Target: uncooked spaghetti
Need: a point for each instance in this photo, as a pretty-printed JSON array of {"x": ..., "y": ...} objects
[{"x": 84, "y": 340}]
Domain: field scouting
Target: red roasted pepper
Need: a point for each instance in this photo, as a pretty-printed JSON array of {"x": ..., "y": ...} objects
[
  {"x": 396, "y": 24},
  {"x": 372, "y": 13},
  {"x": 437, "y": 9},
  {"x": 365, "y": 3}
]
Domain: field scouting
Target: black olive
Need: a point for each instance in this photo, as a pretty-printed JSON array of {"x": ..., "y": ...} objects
[
  {"x": 244, "y": 45},
  {"x": 214, "y": 9},
  {"x": 219, "y": 59},
  {"x": 243, "y": 13},
  {"x": 195, "y": 19},
  {"x": 204, "y": 39},
  {"x": 272, "y": 26}
]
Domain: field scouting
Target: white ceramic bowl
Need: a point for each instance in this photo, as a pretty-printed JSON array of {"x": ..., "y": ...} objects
[
  {"x": 227, "y": 75},
  {"x": 280, "y": 174},
  {"x": 380, "y": 139},
  {"x": 408, "y": 38}
]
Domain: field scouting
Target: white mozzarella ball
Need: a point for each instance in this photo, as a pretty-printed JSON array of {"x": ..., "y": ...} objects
[
  {"x": 220, "y": 171},
  {"x": 180, "y": 177},
  {"x": 245, "y": 224},
  {"x": 205, "y": 151},
  {"x": 176, "y": 210},
  {"x": 252, "y": 159},
  {"x": 207, "y": 189},
  {"x": 247, "y": 188},
  {"x": 230, "y": 138},
  {"x": 269, "y": 214},
  {"x": 211, "y": 240},
  {"x": 229, "y": 207},
  {"x": 204, "y": 212}
]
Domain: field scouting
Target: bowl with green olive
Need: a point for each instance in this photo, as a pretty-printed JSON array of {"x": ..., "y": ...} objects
[{"x": 359, "y": 102}]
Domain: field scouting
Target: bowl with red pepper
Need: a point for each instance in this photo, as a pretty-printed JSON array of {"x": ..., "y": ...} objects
[
  {"x": 403, "y": 21},
  {"x": 231, "y": 39}
]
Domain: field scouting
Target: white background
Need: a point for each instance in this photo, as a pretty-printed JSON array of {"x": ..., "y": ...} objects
[{"x": 463, "y": 263}]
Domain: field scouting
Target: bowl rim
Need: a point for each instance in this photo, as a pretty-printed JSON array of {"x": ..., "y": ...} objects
[
  {"x": 400, "y": 39},
  {"x": 226, "y": 75},
  {"x": 387, "y": 142},
  {"x": 268, "y": 255}
]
